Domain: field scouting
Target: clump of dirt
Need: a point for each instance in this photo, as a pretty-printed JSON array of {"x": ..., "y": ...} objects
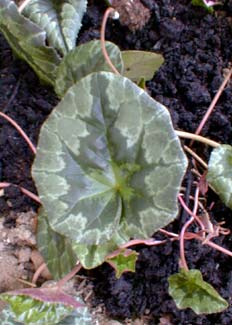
[{"x": 197, "y": 48}]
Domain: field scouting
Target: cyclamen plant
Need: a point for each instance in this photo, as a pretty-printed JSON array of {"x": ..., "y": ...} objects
[{"x": 99, "y": 164}]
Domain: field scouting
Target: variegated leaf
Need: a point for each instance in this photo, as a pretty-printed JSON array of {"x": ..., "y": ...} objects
[
  {"x": 28, "y": 41},
  {"x": 83, "y": 60},
  {"x": 219, "y": 173},
  {"x": 108, "y": 154},
  {"x": 55, "y": 248},
  {"x": 60, "y": 19}
]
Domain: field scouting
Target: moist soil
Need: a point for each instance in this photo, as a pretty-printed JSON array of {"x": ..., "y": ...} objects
[{"x": 197, "y": 47}]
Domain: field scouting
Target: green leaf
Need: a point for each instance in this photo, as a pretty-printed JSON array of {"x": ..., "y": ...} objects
[
  {"x": 55, "y": 248},
  {"x": 219, "y": 173},
  {"x": 189, "y": 290},
  {"x": 108, "y": 156},
  {"x": 30, "y": 311},
  {"x": 28, "y": 41},
  {"x": 123, "y": 261},
  {"x": 7, "y": 317},
  {"x": 60, "y": 19},
  {"x": 91, "y": 256},
  {"x": 141, "y": 64},
  {"x": 201, "y": 3},
  {"x": 83, "y": 60}
]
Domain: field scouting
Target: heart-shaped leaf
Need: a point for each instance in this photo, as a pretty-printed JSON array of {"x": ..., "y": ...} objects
[
  {"x": 219, "y": 173},
  {"x": 123, "y": 261},
  {"x": 107, "y": 156},
  {"x": 56, "y": 249},
  {"x": 60, "y": 19},
  {"x": 141, "y": 64},
  {"x": 28, "y": 41},
  {"x": 189, "y": 290},
  {"x": 83, "y": 60}
]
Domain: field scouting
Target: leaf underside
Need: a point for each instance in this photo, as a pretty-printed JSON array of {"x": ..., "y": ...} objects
[
  {"x": 28, "y": 41},
  {"x": 83, "y": 60},
  {"x": 60, "y": 19},
  {"x": 219, "y": 173},
  {"x": 141, "y": 64},
  {"x": 101, "y": 160},
  {"x": 189, "y": 290}
]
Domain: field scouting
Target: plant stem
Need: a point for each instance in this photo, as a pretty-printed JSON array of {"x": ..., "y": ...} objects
[
  {"x": 107, "y": 13},
  {"x": 69, "y": 276},
  {"x": 214, "y": 102},
  {"x": 23, "y": 5},
  {"x": 23, "y": 190},
  {"x": 192, "y": 153},
  {"x": 21, "y": 132},
  {"x": 184, "y": 228},
  {"x": 187, "y": 135}
]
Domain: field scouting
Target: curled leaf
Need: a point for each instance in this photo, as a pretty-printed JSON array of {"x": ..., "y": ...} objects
[
  {"x": 60, "y": 19},
  {"x": 28, "y": 41}
]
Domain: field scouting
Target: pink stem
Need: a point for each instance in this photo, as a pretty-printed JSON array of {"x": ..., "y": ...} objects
[
  {"x": 69, "y": 276},
  {"x": 184, "y": 228},
  {"x": 103, "y": 29},
  {"x": 23, "y": 190},
  {"x": 21, "y": 132},
  {"x": 214, "y": 102}
]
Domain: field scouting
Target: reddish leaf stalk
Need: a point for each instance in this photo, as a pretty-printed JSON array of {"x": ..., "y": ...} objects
[
  {"x": 23, "y": 190},
  {"x": 107, "y": 13},
  {"x": 70, "y": 275},
  {"x": 21, "y": 132},
  {"x": 213, "y": 103},
  {"x": 185, "y": 227}
]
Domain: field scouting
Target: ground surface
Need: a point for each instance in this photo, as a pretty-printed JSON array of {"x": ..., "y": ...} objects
[{"x": 197, "y": 47}]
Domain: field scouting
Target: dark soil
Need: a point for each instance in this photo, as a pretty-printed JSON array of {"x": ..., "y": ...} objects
[{"x": 197, "y": 46}]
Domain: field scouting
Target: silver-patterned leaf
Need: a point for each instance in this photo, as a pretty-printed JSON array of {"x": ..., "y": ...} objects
[
  {"x": 108, "y": 154},
  {"x": 54, "y": 247},
  {"x": 28, "y": 41},
  {"x": 60, "y": 19},
  {"x": 220, "y": 172},
  {"x": 83, "y": 60}
]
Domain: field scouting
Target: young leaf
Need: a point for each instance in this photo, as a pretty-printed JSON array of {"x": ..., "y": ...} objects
[
  {"x": 112, "y": 156},
  {"x": 189, "y": 290},
  {"x": 123, "y": 261},
  {"x": 55, "y": 248},
  {"x": 83, "y": 60},
  {"x": 141, "y": 64},
  {"x": 28, "y": 41},
  {"x": 219, "y": 173},
  {"x": 60, "y": 19}
]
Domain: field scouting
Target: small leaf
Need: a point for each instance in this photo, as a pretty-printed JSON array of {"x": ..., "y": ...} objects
[
  {"x": 108, "y": 155},
  {"x": 189, "y": 290},
  {"x": 123, "y": 261},
  {"x": 219, "y": 173},
  {"x": 60, "y": 19},
  {"x": 141, "y": 64},
  {"x": 28, "y": 41},
  {"x": 55, "y": 248},
  {"x": 83, "y": 60}
]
